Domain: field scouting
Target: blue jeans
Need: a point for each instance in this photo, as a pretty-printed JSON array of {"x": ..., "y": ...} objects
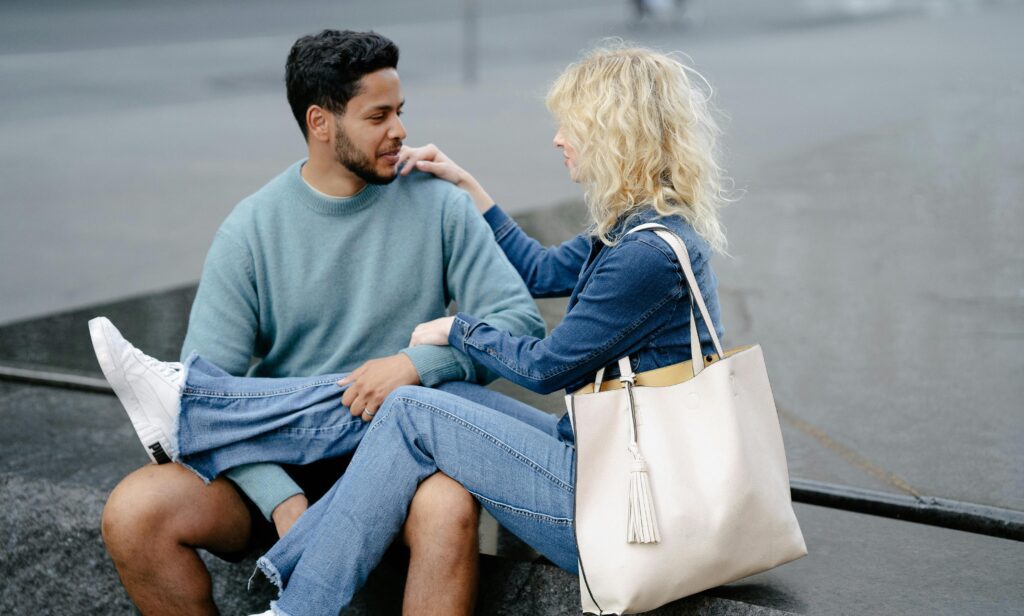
[{"x": 507, "y": 454}]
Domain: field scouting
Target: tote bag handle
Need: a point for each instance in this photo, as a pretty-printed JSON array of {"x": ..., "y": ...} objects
[{"x": 696, "y": 354}]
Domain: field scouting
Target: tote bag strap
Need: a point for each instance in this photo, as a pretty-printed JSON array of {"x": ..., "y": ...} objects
[
  {"x": 625, "y": 373},
  {"x": 696, "y": 297},
  {"x": 683, "y": 256}
]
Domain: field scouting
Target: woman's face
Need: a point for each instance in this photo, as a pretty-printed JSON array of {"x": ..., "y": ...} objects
[{"x": 568, "y": 152}]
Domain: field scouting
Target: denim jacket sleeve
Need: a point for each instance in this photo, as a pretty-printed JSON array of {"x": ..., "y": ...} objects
[
  {"x": 632, "y": 293},
  {"x": 547, "y": 272}
]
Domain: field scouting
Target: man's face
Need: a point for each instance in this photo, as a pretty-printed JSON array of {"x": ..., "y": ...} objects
[{"x": 369, "y": 134}]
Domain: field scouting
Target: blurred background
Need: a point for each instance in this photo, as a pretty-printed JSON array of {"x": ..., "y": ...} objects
[{"x": 877, "y": 253}]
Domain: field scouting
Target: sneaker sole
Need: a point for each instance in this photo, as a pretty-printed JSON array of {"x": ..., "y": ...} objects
[{"x": 154, "y": 440}]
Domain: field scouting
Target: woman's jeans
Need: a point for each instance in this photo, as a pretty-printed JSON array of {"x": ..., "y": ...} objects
[{"x": 505, "y": 453}]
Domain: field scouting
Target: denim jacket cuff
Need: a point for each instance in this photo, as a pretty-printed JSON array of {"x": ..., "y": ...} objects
[
  {"x": 462, "y": 328},
  {"x": 500, "y": 222}
]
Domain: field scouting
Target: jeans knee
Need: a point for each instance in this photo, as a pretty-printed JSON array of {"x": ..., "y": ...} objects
[
  {"x": 399, "y": 398},
  {"x": 404, "y": 391}
]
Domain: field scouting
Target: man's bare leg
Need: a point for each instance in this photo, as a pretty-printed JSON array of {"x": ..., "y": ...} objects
[
  {"x": 441, "y": 532},
  {"x": 152, "y": 539},
  {"x": 152, "y": 524}
]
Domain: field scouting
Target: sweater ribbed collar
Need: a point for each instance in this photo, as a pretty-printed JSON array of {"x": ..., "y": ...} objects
[{"x": 327, "y": 205}]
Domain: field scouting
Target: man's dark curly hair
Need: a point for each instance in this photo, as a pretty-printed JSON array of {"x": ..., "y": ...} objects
[{"x": 324, "y": 69}]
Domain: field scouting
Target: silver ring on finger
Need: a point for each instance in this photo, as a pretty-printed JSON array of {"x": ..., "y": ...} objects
[{"x": 367, "y": 412}]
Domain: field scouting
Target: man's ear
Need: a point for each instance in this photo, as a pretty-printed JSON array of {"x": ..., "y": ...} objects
[{"x": 318, "y": 123}]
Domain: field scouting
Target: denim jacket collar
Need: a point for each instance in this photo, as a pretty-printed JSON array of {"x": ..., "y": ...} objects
[{"x": 638, "y": 217}]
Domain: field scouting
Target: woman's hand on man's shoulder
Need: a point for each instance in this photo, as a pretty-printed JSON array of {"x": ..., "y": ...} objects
[{"x": 431, "y": 159}]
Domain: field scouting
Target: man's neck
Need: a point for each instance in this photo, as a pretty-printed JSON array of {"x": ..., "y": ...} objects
[{"x": 331, "y": 178}]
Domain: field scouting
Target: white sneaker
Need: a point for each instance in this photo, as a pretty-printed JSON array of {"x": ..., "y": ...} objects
[
  {"x": 149, "y": 389},
  {"x": 267, "y": 613}
]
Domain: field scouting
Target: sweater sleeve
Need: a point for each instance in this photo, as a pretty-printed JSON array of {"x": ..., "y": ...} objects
[
  {"x": 223, "y": 327},
  {"x": 482, "y": 281},
  {"x": 547, "y": 271},
  {"x": 224, "y": 321},
  {"x": 267, "y": 485}
]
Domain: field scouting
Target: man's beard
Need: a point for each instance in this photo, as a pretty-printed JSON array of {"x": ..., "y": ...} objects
[{"x": 346, "y": 153}]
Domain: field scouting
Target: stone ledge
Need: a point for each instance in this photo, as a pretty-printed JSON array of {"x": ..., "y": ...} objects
[{"x": 54, "y": 563}]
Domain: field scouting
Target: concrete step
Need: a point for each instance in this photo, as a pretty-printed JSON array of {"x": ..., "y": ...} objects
[
  {"x": 62, "y": 451},
  {"x": 54, "y": 563}
]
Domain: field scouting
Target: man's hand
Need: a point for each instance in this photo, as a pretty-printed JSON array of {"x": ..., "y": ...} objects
[
  {"x": 288, "y": 512},
  {"x": 432, "y": 160},
  {"x": 374, "y": 380},
  {"x": 432, "y": 332}
]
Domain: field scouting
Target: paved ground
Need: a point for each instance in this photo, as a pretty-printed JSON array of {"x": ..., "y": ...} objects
[{"x": 52, "y": 561}]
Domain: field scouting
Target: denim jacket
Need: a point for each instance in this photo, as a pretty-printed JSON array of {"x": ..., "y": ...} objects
[{"x": 627, "y": 299}]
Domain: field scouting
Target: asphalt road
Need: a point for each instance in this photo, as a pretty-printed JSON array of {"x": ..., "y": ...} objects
[{"x": 877, "y": 253}]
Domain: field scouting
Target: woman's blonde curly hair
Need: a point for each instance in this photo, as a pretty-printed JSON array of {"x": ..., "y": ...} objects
[{"x": 645, "y": 135}]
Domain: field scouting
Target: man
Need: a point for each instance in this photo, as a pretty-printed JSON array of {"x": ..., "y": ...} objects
[{"x": 326, "y": 269}]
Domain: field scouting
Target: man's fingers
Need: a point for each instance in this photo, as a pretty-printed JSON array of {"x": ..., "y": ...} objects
[
  {"x": 358, "y": 399},
  {"x": 357, "y": 407},
  {"x": 365, "y": 407},
  {"x": 350, "y": 396},
  {"x": 353, "y": 376}
]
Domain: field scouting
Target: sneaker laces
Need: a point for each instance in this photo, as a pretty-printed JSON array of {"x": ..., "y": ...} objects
[{"x": 169, "y": 370}]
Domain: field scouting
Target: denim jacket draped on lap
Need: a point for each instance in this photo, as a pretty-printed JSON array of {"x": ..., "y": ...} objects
[{"x": 627, "y": 299}]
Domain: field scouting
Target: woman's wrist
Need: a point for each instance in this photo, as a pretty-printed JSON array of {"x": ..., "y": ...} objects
[{"x": 480, "y": 197}]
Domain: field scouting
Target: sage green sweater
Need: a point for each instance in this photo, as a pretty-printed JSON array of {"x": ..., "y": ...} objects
[{"x": 298, "y": 284}]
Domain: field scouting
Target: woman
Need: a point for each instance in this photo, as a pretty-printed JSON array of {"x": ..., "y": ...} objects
[{"x": 638, "y": 135}]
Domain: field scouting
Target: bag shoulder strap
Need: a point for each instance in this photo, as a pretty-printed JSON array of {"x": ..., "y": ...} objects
[{"x": 696, "y": 297}]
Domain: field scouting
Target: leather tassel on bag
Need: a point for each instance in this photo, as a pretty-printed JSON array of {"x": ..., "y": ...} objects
[{"x": 641, "y": 523}]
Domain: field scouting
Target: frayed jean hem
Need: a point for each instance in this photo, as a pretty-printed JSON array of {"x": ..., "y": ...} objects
[{"x": 267, "y": 568}]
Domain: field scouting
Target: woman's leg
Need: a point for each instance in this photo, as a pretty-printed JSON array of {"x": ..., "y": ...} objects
[
  {"x": 226, "y": 421},
  {"x": 521, "y": 474},
  {"x": 220, "y": 406},
  {"x": 545, "y": 422}
]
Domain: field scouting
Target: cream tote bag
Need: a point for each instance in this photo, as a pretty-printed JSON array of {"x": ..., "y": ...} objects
[{"x": 682, "y": 487}]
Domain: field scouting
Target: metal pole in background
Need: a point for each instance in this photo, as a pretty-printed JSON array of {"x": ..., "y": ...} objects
[{"x": 470, "y": 47}]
